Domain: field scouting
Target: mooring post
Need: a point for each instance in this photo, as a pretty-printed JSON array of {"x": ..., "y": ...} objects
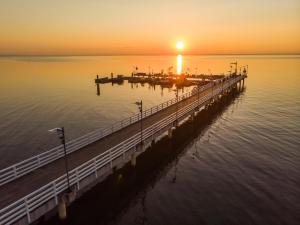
[{"x": 98, "y": 89}]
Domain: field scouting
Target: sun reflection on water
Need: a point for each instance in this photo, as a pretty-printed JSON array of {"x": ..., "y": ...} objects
[{"x": 179, "y": 64}]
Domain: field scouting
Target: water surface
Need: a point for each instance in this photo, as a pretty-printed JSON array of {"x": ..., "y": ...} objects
[{"x": 243, "y": 169}]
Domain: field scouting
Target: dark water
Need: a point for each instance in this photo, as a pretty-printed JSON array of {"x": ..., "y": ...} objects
[{"x": 243, "y": 169}]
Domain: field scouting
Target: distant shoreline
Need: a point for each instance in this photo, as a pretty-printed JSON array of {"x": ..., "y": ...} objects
[{"x": 133, "y": 55}]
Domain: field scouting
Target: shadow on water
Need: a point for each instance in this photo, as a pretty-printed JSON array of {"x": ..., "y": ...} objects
[{"x": 108, "y": 199}]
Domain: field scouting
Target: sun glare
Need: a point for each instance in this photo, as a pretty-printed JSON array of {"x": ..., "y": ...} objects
[
  {"x": 179, "y": 45},
  {"x": 179, "y": 64}
]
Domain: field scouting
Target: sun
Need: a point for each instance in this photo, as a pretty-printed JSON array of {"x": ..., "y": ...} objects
[{"x": 179, "y": 45}]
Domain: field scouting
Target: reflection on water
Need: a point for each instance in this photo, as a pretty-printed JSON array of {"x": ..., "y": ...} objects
[
  {"x": 179, "y": 64},
  {"x": 98, "y": 89}
]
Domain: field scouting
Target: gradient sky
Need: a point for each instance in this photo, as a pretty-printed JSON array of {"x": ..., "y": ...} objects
[{"x": 100, "y": 27}]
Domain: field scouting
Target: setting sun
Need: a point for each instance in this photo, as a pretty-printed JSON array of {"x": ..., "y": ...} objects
[{"x": 180, "y": 45}]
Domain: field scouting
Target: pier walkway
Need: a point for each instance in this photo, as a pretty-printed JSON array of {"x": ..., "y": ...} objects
[{"x": 26, "y": 194}]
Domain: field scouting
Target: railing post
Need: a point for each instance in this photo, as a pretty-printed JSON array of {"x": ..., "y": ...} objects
[
  {"x": 152, "y": 131},
  {"x": 95, "y": 168},
  {"x": 27, "y": 211},
  {"x": 110, "y": 159},
  {"x": 57, "y": 151},
  {"x": 38, "y": 159},
  {"x": 55, "y": 193},
  {"x": 77, "y": 179},
  {"x": 15, "y": 171},
  {"x": 123, "y": 153}
]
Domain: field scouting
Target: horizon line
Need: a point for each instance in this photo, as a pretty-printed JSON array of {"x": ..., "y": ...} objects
[{"x": 210, "y": 54}]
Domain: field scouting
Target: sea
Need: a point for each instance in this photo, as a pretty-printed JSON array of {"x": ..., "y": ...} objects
[{"x": 244, "y": 168}]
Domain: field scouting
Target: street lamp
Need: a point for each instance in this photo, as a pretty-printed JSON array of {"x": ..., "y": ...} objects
[
  {"x": 198, "y": 92},
  {"x": 176, "y": 94},
  {"x": 212, "y": 87},
  {"x": 140, "y": 106},
  {"x": 61, "y": 134},
  {"x": 222, "y": 85}
]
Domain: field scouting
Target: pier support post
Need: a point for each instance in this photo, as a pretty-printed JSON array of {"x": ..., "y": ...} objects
[
  {"x": 62, "y": 208},
  {"x": 206, "y": 106},
  {"x": 192, "y": 116},
  {"x": 133, "y": 159},
  {"x": 175, "y": 123},
  {"x": 152, "y": 142},
  {"x": 140, "y": 147},
  {"x": 170, "y": 132}
]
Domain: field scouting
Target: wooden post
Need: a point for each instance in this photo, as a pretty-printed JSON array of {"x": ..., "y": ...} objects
[
  {"x": 62, "y": 209},
  {"x": 133, "y": 159},
  {"x": 170, "y": 132}
]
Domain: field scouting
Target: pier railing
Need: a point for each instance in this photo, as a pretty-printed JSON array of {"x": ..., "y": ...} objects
[
  {"x": 30, "y": 164},
  {"x": 26, "y": 205}
]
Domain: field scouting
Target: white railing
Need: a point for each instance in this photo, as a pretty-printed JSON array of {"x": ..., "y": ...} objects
[
  {"x": 28, "y": 165},
  {"x": 24, "y": 206}
]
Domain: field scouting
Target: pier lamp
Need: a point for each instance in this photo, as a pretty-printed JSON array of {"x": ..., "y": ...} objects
[
  {"x": 61, "y": 134},
  {"x": 176, "y": 95},
  {"x": 212, "y": 86},
  {"x": 198, "y": 92},
  {"x": 140, "y": 107}
]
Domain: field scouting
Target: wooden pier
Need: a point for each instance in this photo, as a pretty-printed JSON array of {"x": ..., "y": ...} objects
[{"x": 35, "y": 186}]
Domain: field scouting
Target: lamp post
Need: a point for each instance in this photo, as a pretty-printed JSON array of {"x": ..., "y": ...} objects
[
  {"x": 212, "y": 87},
  {"x": 140, "y": 106},
  {"x": 222, "y": 85},
  {"x": 61, "y": 134},
  {"x": 198, "y": 92},
  {"x": 176, "y": 94}
]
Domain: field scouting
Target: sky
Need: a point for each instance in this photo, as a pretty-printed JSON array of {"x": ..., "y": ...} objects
[{"x": 149, "y": 27}]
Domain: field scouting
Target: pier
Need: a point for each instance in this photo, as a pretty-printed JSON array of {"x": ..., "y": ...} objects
[{"x": 35, "y": 186}]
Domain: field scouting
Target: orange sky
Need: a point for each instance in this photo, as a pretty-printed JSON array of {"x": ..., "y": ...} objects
[{"x": 80, "y": 27}]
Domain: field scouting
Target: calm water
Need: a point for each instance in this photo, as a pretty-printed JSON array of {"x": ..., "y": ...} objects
[
  {"x": 38, "y": 94},
  {"x": 243, "y": 169}
]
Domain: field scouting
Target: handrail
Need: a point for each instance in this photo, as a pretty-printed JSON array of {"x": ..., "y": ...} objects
[
  {"x": 24, "y": 206},
  {"x": 30, "y": 164}
]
